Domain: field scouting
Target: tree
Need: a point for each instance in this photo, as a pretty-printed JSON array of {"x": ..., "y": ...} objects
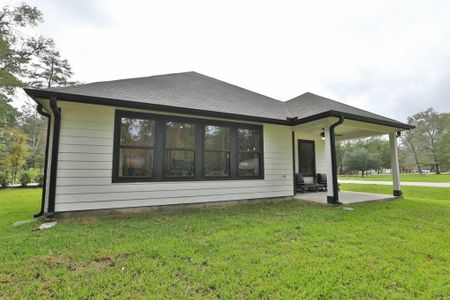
[
  {"x": 430, "y": 126},
  {"x": 33, "y": 125},
  {"x": 443, "y": 150},
  {"x": 8, "y": 113},
  {"x": 16, "y": 49},
  {"x": 409, "y": 140},
  {"x": 360, "y": 160},
  {"x": 340, "y": 150},
  {"x": 25, "y": 60},
  {"x": 379, "y": 147},
  {"x": 16, "y": 153},
  {"x": 406, "y": 160},
  {"x": 51, "y": 69}
]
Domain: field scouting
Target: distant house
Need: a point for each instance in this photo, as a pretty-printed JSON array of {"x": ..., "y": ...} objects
[{"x": 189, "y": 138}]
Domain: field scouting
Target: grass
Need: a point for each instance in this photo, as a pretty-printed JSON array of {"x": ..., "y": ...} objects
[
  {"x": 395, "y": 249},
  {"x": 403, "y": 177}
]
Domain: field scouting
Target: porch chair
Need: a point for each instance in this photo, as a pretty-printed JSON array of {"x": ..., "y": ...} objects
[
  {"x": 321, "y": 179},
  {"x": 302, "y": 186}
]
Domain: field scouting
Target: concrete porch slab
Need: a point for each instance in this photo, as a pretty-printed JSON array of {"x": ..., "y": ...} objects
[{"x": 344, "y": 197}]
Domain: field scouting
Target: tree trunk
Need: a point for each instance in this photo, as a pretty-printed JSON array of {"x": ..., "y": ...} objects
[
  {"x": 416, "y": 159},
  {"x": 438, "y": 171},
  {"x": 436, "y": 164}
]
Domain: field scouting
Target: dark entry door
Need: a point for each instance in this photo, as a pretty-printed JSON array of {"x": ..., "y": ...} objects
[{"x": 306, "y": 157}]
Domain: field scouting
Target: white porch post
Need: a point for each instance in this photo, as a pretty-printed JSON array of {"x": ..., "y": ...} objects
[
  {"x": 394, "y": 164},
  {"x": 328, "y": 158}
]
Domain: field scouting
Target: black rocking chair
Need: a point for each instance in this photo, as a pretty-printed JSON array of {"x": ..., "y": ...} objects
[
  {"x": 302, "y": 186},
  {"x": 321, "y": 180}
]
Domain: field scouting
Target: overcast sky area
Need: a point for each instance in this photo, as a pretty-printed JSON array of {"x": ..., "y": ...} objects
[{"x": 388, "y": 57}]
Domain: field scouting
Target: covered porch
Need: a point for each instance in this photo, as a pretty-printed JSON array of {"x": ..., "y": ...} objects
[{"x": 314, "y": 149}]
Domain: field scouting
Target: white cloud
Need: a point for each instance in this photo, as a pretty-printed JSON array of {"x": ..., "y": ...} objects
[{"x": 390, "y": 57}]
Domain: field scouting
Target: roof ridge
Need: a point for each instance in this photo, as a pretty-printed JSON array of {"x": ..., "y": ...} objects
[
  {"x": 221, "y": 81},
  {"x": 115, "y": 80},
  {"x": 283, "y": 103}
]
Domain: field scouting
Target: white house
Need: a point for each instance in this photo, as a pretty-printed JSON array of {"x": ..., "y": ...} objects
[{"x": 189, "y": 138}]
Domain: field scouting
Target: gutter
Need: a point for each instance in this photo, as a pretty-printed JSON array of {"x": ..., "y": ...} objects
[
  {"x": 44, "y": 183},
  {"x": 35, "y": 93},
  {"x": 335, "y": 198},
  {"x": 293, "y": 161},
  {"x": 55, "y": 151},
  {"x": 349, "y": 116}
]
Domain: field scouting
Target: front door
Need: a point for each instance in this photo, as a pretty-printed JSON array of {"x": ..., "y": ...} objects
[{"x": 306, "y": 158}]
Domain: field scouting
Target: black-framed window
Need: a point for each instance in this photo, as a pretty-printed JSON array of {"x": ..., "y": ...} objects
[
  {"x": 306, "y": 157},
  {"x": 151, "y": 147},
  {"x": 249, "y": 152},
  {"x": 217, "y": 151},
  {"x": 180, "y": 149},
  {"x": 137, "y": 139}
]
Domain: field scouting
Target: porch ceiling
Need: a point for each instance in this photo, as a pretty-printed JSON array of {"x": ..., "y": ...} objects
[{"x": 350, "y": 129}]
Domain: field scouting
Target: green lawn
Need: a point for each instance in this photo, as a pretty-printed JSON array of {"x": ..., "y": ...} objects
[
  {"x": 395, "y": 249},
  {"x": 403, "y": 177}
]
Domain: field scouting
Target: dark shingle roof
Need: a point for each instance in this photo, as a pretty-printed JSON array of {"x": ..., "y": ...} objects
[
  {"x": 197, "y": 92},
  {"x": 187, "y": 90},
  {"x": 309, "y": 104}
]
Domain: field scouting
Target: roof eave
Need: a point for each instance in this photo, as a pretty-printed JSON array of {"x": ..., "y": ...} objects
[
  {"x": 333, "y": 113},
  {"x": 44, "y": 94}
]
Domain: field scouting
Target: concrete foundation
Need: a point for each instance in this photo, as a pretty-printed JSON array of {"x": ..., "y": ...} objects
[{"x": 162, "y": 208}]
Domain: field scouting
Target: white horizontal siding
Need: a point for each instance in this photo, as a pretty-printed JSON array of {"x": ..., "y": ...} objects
[
  {"x": 85, "y": 168},
  {"x": 156, "y": 194},
  {"x": 241, "y": 195},
  {"x": 84, "y": 165},
  {"x": 89, "y": 125},
  {"x": 85, "y": 149},
  {"x": 165, "y": 186},
  {"x": 83, "y": 173},
  {"x": 91, "y": 157},
  {"x": 84, "y": 140},
  {"x": 96, "y": 133}
]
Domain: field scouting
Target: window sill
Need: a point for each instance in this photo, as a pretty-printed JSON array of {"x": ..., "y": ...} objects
[{"x": 143, "y": 180}]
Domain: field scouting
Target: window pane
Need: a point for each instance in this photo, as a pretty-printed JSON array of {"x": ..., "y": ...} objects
[
  {"x": 179, "y": 163},
  {"x": 136, "y": 162},
  {"x": 248, "y": 140},
  {"x": 180, "y": 135},
  {"x": 217, "y": 138},
  {"x": 248, "y": 164},
  {"x": 217, "y": 163},
  {"x": 137, "y": 132}
]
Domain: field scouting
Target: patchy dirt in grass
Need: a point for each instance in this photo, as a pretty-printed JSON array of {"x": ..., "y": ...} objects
[{"x": 99, "y": 263}]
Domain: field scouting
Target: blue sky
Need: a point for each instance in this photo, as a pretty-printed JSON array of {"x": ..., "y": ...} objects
[{"x": 389, "y": 57}]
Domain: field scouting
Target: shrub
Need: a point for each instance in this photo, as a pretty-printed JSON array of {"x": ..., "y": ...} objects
[
  {"x": 25, "y": 178},
  {"x": 39, "y": 179},
  {"x": 3, "y": 180},
  {"x": 34, "y": 173}
]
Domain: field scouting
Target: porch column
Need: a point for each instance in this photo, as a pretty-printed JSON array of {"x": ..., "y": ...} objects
[
  {"x": 394, "y": 164},
  {"x": 331, "y": 198}
]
